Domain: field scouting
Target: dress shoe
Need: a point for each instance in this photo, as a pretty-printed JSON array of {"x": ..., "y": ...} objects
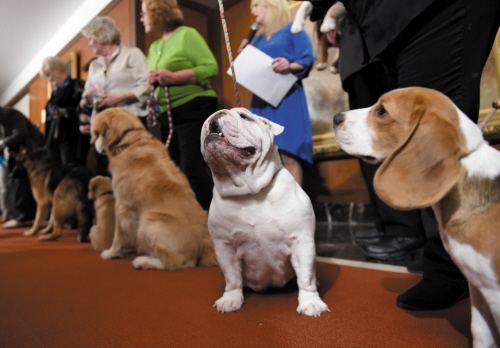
[
  {"x": 394, "y": 248},
  {"x": 367, "y": 235},
  {"x": 432, "y": 294}
]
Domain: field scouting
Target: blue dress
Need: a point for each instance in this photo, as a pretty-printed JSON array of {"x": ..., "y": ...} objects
[{"x": 292, "y": 112}]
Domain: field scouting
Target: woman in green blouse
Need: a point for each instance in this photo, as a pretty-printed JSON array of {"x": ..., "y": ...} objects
[{"x": 182, "y": 61}]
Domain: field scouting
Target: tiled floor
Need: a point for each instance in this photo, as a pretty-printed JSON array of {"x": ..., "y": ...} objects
[{"x": 335, "y": 229}]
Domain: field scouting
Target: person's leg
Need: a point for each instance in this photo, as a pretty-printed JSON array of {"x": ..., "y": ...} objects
[
  {"x": 445, "y": 48},
  {"x": 293, "y": 166},
  {"x": 402, "y": 230},
  {"x": 190, "y": 119}
]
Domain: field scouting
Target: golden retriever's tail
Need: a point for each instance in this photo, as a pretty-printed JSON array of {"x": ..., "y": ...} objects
[{"x": 207, "y": 257}]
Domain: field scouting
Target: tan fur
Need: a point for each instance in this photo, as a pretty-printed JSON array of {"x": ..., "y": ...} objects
[
  {"x": 471, "y": 214},
  {"x": 156, "y": 210},
  {"x": 101, "y": 192},
  {"x": 423, "y": 146},
  {"x": 41, "y": 194}
]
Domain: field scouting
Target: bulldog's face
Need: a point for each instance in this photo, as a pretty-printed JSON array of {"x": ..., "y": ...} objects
[{"x": 236, "y": 139}]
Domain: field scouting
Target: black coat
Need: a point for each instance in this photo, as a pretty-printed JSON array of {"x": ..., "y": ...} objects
[
  {"x": 18, "y": 130},
  {"x": 67, "y": 97}
]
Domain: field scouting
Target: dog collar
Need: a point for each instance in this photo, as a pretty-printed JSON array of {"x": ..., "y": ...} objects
[
  {"x": 105, "y": 193},
  {"x": 115, "y": 149}
]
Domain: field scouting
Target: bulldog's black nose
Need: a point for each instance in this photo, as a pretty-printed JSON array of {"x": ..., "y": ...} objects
[{"x": 338, "y": 119}]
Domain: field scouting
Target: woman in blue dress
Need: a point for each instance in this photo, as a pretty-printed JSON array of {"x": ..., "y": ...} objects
[{"x": 292, "y": 53}]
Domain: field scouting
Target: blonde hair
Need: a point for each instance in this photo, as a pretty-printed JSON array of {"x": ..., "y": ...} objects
[
  {"x": 277, "y": 15},
  {"x": 103, "y": 30},
  {"x": 164, "y": 15},
  {"x": 51, "y": 64}
]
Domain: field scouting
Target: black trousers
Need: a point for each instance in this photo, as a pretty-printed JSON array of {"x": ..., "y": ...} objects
[
  {"x": 444, "y": 48},
  {"x": 185, "y": 147},
  {"x": 19, "y": 192}
]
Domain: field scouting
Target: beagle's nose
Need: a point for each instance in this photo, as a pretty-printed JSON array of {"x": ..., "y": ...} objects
[{"x": 338, "y": 119}]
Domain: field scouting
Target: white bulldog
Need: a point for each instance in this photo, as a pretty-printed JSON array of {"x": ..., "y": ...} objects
[{"x": 261, "y": 221}]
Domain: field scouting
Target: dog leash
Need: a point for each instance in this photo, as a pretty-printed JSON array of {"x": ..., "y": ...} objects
[
  {"x": 229, "y": 53},
  {"x": 153, "y": 104},
  {"x": 495, "y": 106}
]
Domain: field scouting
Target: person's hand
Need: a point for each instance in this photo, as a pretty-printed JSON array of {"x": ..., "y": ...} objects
[
  {"x": 243, "y": 44},
  {"x": 333, "y": 37},
  {"x": 152, "y": 77},
  {"x": 165, "y": 77},
  {"x": 281, "y": 65},
  {"x": 57, "y": 112},
  {"x": 110, "y": 100},
  {"x": 84, "y": 128}
]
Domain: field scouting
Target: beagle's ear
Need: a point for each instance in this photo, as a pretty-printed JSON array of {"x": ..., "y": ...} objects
[
  {"x": 424, "y": 167},
  {"x": 275, "y": 128}
]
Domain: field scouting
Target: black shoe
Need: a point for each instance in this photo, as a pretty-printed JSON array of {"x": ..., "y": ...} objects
[
  {"x": 367, "y": 235},
  {"x": 432, "y": 295},
  {"x": 391, "y": 249}
]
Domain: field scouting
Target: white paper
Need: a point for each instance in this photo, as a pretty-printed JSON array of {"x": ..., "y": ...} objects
[{"x": 254, "y": 71}]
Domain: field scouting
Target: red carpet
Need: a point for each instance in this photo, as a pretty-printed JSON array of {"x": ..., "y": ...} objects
[{"x": 62, "y": 294}]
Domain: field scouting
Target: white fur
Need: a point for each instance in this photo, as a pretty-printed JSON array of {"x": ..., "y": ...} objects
[
  {"x": 470, "y": 130},
  {"x": 262, "y": 237},
  {"x": 302, "y": 13},
  {"x": 147, "y": 262},
  {"x": 484, "y": 162},
  {"x": 99, "y": 145},
  {"x": 485, "y": 291},
  {"x": 354, "y": 136}
]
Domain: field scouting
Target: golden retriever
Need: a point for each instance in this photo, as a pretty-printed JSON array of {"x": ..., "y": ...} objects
[
  {"x": 101, "y": 192},
  {"x": 156, "y": 211}
]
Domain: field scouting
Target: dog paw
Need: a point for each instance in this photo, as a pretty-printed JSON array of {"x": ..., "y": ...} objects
[
  {"x": 321, "y": 66},
  {"x": 147, "y": 262},
  {"x": 230, "y": 301},
  {"x": 310, "y": 304},
  {"x": 49, "y": 237},
  {"x": 328, "y": 25},
  {"x": 109, "y": 254},
  {"x": 30, "y": 232},
  {"x": 296, "y": 28}
]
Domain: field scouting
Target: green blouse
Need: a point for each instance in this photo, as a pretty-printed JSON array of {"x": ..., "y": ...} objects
[{"x": 184, "y": 49}]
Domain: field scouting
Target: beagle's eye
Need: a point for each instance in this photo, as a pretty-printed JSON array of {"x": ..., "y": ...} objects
[{"x": 381, "y": 111}]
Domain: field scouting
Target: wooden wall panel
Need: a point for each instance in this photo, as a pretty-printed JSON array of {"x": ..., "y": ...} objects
[
  {"x": 239, "y": 20},
  {"x": 122, "y": 12}
]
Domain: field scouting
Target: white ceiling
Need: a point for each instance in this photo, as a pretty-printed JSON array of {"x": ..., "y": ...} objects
[{"x": 25, "y": 27}]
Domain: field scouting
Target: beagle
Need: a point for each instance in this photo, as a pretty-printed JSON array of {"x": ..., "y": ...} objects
[{"x": 432, "y": 154}]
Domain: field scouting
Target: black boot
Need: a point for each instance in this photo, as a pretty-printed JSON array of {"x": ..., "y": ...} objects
[{"x": 432, "y": 295}]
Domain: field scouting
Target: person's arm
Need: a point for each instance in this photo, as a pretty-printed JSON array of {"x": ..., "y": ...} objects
[
  {"x": 139, "y": 71},
  {"x": 303, "y": 57}
]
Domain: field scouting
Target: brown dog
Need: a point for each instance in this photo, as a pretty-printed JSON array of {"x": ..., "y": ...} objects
[
  {"x": 60, "y": 191},
  {"x": 101, "y": 192},
  {"x": 156, "y": 210}
]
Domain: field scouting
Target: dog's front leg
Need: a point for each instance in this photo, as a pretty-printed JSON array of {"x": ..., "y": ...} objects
[
  {"x": 483, "y": 328},
  {"x": 303, "y": 12},
  {"x": 125, "y": 227},
  {"x": 232, "y": 299},
  {"x": 42, "y": 212},
  {"x": 303, "y": 262}
]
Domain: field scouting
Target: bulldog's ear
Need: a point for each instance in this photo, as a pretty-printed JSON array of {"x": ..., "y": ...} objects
[
  {"x": 275, "y": 128},
  {"x": 424, "y": 167}
]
